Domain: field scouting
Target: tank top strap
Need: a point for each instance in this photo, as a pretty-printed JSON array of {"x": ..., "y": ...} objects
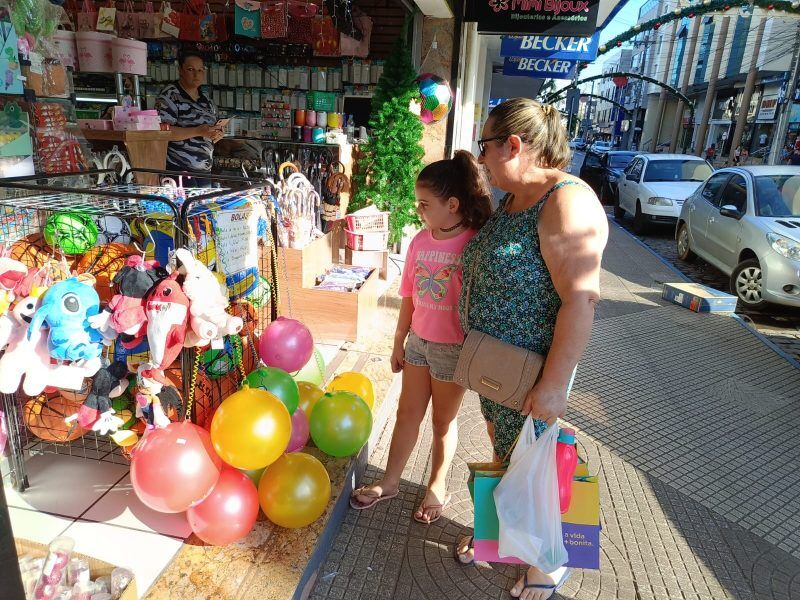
[{"x": 556, "y": 187}]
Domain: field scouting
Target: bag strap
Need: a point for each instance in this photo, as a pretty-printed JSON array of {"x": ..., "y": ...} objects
[{"x": 474, "y": 269}]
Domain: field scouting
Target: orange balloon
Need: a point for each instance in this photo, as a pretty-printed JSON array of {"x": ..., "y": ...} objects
[
  {"x": 309, "y": 394},
  {"x": 104, "y": 262},
  {"x": 295, "y": 490}
]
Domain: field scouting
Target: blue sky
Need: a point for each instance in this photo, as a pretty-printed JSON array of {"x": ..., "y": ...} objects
[{"x": 624, "y": 20}]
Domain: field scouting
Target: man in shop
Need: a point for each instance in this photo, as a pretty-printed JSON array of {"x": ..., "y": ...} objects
[{"x": 192, "y": 118}]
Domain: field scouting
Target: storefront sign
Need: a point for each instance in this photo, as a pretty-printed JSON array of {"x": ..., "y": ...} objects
[
  {"x": 550, "y": 46},
  {"x": 768, "y": 108},
  {"x": 540, "y": 68},
  {"x": 552, "y": 17}
]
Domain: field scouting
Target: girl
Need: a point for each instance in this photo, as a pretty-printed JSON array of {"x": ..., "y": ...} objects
[{"x": 453, "y": 201}]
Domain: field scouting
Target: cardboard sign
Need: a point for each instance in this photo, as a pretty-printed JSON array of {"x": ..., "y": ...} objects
[
  {"x": 539, "y": 68},
  {"x": 237, "y": 239},
  {"x": 550, "y": 46},
  {"x": 552, "y": 17}
]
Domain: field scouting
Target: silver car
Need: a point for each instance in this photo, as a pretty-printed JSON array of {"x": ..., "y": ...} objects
[{"x": 746, "y": 222}]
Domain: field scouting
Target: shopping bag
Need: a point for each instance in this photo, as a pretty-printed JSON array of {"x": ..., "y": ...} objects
[
  {"x": 326, "y": 36},
  {"x": 87, "y": 17},
  {"x": 581, "y": 524},
  {"x": 349, "y": 46},
  {"x": 274, "y": 19},
  {"x": 107, "y": 18},
  {"x": 301, "y": 22},
  {"x": 10, "y": 73},
  {"x": 128, "y": 22},
  {"x": 247, "y": 18},
  {"x": 150, "y": 23},
  {"x": 170, "y": 20},
  {"x": 197, "y": 23}
]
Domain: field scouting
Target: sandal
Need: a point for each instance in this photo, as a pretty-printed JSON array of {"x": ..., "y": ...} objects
[
  {"x": 362, "y": 491},
  {"x": 470, "y": 546},
  {"x": 425, "y": 507},
  {"x": 547, "y": 586}
]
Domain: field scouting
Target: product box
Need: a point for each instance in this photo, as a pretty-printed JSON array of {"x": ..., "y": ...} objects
[{"x": 699, "y": 298}]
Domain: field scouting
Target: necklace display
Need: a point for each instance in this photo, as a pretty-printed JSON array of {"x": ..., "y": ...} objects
[{"x": 453, "y": 228}]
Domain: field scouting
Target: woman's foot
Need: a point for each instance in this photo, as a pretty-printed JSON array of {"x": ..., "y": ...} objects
[
  {"x": 537, "y": 585},
  {"x": 465, "y": 550},
  {"x": 368, "y": 496},
  {"x": 432, "y": 506}
]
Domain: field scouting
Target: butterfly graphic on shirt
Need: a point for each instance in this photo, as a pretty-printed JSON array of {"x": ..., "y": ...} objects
[{"x": 433, "y": 283}]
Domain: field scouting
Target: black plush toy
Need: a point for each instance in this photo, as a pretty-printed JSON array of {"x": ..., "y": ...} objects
[{"x": 109, "y": 382}]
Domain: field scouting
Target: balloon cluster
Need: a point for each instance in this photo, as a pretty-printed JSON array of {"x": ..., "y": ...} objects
[{"x": 250, "y": 456}]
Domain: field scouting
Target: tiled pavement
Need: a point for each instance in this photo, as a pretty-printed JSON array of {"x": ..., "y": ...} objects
[{"x": 690, "y": 422}]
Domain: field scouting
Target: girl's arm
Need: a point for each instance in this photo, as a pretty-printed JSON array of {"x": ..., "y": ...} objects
[
  {"x": 401, "y": 331},
  {"x": 573, "y": 231}
]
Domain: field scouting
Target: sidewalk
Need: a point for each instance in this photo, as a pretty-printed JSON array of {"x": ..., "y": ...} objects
[{"x": 690, "y": 421}]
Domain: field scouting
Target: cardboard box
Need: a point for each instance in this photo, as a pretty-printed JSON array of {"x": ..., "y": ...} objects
[
  {"x": 97, "y": 567},
  {"x": 699, "y": 298},
  {"x": 377, "y": 259}
]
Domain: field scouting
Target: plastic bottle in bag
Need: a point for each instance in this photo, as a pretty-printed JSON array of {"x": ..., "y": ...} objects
[{"x": 566, "y": 462}]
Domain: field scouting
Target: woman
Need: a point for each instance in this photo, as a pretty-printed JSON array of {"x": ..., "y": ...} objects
[
  {"x": 537, "y": 280},
  {"x": 192, "y": 117}
]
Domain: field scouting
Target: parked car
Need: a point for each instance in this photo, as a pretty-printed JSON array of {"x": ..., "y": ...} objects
[
  {"x": 600, "y": 147},
  {"x": 746, "y": 222},
  {"x": 602, "y": 172},
  {"x": 655, "y": 186},
  {"x": 578, "y": 144}
]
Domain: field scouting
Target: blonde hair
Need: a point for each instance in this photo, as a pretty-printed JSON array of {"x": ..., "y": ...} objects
[{"x": 539, "y": 125}]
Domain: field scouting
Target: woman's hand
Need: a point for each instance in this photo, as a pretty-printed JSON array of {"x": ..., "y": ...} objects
[
  {"x": 210, "y": 132},
  {"x": 546, "y": 401},
  {"x": 398, "y": 357}
]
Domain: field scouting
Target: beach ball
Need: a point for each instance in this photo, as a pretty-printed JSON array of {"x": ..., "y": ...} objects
[
  {"x": 112, "y": 230},
  {"x": 436, "y": 98},
  {"x": 260, "y": 295},
  {"x": 71, "y": 231}
]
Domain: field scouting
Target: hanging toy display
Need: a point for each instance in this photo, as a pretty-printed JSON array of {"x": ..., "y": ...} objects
[
  {"x": 167, "y": 310},
  {"x": 436, "y": 98}
]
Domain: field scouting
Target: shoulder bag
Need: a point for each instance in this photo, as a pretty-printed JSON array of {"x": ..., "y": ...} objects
[{"x": 497, "y": 370}]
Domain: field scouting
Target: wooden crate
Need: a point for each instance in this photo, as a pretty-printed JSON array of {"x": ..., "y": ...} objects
[
  {"x": 304, "y": 265},
  {"x": 377, "y": 259}
]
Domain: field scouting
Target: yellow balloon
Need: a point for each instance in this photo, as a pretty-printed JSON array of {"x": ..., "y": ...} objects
[
  {"x": 251, "y": 429},
  {"x": 294, "y": 490},
  {"x": 309, "y": 394},
  {"x": 355, "y": 383}
]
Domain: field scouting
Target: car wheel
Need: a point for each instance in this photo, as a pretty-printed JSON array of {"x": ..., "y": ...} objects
[
  {"x": 684, "y": 251},
  {"x": 639, "y": 220},
  {"x": 746, "y": 283},
  {"x": 619, "y": 212}
]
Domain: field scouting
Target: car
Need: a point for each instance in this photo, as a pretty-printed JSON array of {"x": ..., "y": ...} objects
[
  {"x": 655, "y": 186},
  {"x": 602, "y": 171},
  {"x": 745, "y": 221},
  {"x": 578, "y": 144},
  {"x": 600, "y": 147}
]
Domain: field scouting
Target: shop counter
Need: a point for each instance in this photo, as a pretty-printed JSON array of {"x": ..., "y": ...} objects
[{"x": 145, "y": 149}]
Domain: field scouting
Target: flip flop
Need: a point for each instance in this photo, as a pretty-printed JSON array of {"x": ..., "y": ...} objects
[
  {"x": 547, "y": 586},
  {"x": 354, "y": 503},
  {"x": 470, "y": 546},
  {"x": 425, "y": 507}
]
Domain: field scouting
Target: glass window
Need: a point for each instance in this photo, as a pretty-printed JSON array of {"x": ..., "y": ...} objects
[
  {"x": 713, "y": 186},
  {"x": 620, "y": 161},
  {"x": 677, "y": 170},
  {"x": 735, "y": 194},
  {"x": 636, "y": 169},
  {"x": 778, "y": 196},
  {"x": 591, "y": 160}
]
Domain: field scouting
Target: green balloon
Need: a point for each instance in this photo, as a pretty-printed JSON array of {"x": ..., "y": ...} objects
[
  {"x": 313, "y": 371},
  {"x": 278, "y": 382},
  {"x": 254, "y": 474},
  {"x": 340, "y": 423}
]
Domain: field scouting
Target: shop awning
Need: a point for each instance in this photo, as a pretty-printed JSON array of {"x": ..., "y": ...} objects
[{"x": 435, "y": 8}]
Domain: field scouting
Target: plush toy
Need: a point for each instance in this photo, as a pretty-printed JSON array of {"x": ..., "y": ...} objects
[
  {"x": 66, "y": 308},
  {"x": 167, "y": 311},
  {"x": 209, "y": 299},
  {"x": 148, "y": 398},
  {"x": 27, "y": 354},
  {"x": 12, "y": 272},
  {"x": 96, "y": 412},
  {"x": 125, "y": 314}
]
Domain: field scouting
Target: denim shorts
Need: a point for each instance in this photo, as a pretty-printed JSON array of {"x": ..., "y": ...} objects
[{"x": 441, "y": 359}]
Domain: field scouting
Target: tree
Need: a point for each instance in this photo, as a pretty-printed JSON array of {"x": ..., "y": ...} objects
[{"x": 388, "y": 164}]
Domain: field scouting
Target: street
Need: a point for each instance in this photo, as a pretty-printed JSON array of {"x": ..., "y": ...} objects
[{"x": 780, "y": 324}]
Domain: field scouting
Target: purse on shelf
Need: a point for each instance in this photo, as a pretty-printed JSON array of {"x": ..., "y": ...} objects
[{"x": 497, "y": 370}]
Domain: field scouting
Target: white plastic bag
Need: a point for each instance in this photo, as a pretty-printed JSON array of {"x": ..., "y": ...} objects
[{"x": 527, "y": 502}]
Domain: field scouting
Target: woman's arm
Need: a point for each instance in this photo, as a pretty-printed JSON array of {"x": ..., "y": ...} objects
[
  {"x": 401, "y": 331},
  {"x": 573, "y": 231},
  {"x": 207, "y": 131}
]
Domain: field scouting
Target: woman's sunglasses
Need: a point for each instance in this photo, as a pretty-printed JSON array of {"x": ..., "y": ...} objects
[{"x": 482, "y": 143}]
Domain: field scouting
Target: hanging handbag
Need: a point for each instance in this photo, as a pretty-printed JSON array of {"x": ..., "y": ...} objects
[
  {"x": 349, "y": 46},
  {"x": 247, "y": 18},
  {"x": 274, "y": 19},
  {"x": 325, "y": 35},
  {"x": 87, "y": 18},
  {"x": 499, "y": 371},
  {"x": 301, "y": 22},
  {"x": 170, "y": 20},
  {"x": 197, "y": 23},
  {"x": 128, "y": 22},
  {"x": 150, "y": 23},
  {"x": 107, "y": 18}
]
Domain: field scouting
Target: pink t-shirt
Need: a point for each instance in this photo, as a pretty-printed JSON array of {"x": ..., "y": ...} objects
[{"x": 432, "y": 277}]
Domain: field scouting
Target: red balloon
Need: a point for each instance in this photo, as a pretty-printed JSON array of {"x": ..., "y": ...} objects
[
  {"x": 286, "y": 344},
  {"x": 229, "y": 512},
  {"x": 175, "y": 467}
]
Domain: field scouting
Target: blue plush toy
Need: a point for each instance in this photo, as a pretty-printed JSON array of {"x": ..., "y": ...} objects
[{"x": 66, "y": 308}]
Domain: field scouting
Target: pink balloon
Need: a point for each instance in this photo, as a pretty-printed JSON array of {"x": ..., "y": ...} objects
[
  {"x": 229, "y": 512},
  {"x": 175, "y": 467},
  {"x": 299, "y": 437},
  {"x": 286, "y": 344}
]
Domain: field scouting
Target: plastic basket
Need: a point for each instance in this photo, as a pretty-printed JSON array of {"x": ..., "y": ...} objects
[
  {"x": 375, "y": 240},
  {"x": 325, "y": 101},
  {"x": 375, "y": 222}
]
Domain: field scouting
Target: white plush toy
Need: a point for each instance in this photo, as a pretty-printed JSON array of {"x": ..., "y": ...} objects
[{"x": 208, "y": 319}]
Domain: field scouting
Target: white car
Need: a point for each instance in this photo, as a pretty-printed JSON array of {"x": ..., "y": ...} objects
[
  {"x": 653, "y": 187},
  {"x": 600, "y": 147},
  {"x": 746, "y": 222}
]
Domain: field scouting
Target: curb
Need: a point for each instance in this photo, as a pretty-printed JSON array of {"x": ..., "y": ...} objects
[
  {"x": 752, "y": 330},
  {"x": 355, "y": 470}
]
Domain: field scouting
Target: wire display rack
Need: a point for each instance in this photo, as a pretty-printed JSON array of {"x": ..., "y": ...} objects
[{"x": 189, "y": 218}]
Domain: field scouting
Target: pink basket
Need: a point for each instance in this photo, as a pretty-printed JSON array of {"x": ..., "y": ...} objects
[
  {"x": 129, "y": 56},
  {"x": 375, "y": 240},
  {"x": 66, "y": 49},
  {"x": 94, "y": 51},
  {"x": 376, "y": 222}
]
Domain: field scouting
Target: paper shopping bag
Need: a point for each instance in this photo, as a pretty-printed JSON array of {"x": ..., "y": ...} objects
[
  {"x": 10, "y": 73},
  {"x": 247, "y": 18},
  {"x": 107, "y": 18}
]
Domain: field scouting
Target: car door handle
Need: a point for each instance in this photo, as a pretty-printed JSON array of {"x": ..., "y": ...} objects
[{"x": 710, "y": 219}]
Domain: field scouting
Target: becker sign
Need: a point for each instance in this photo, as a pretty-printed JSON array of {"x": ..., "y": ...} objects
[
  {"x": 571, "y": 47},
  {"x": 539, "y": 68},
  {"x": 553, "y": 17}
]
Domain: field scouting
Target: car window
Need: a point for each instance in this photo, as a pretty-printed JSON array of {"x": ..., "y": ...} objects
[
  {"x": 636, "y": 168},
  {"x": 735, "y": 193},
  {"x": 677, "y": 170},
  {"x": 713, "y": 186},
  {"x": 591, "y": 160},
  {"x": 620, "y": 161},
  {"x": 778, "y": 196}
]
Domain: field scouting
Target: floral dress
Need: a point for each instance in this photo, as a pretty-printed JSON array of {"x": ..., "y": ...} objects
[{"x": 512, "y": 298}]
